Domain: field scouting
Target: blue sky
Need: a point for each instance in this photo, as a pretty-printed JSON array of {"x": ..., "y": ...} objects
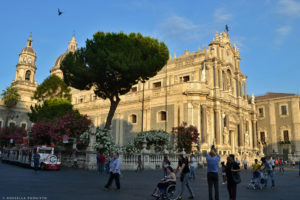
[{"x": 266, "y": 32}]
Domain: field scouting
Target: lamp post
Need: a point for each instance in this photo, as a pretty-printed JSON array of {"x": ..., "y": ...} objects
[{"x": 142, "y": 125}]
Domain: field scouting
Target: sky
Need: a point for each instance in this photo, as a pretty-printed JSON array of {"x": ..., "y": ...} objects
[{"x": 266, "y": 32}]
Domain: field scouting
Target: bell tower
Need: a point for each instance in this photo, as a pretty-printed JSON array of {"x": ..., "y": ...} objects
[{"x": 25, "y": 73}]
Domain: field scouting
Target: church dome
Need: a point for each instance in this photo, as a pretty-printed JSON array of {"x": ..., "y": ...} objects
[
  {"x": 56, "y": 68},
  {"x": 58, "y": 62}
]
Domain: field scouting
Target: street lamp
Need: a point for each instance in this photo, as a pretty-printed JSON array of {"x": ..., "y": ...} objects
[{"x": 142, "y": 126}]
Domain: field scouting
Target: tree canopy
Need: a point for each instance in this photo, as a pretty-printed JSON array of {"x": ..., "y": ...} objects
[
  {"x": 10, "y": 97},
  {"x": 50, "y": 109},
  {"x": 111, "y": 63},
  {"x": 53, "y": 86}
]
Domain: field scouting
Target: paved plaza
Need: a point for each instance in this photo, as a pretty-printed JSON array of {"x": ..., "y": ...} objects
[{"x": 22, "y": 183}]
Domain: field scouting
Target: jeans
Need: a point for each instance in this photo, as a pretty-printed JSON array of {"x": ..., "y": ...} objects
[
  {"x": 100, "y": 168},
  {"x": 267, "y": 174},
  {"x": 192, "y": 172},
  {"x": 113, "y": 176},
  {"x": 185, "y": 182},
  {"x": 213, "y": 180}
]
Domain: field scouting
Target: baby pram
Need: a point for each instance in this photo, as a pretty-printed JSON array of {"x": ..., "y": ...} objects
[{"x": 257, "y": 181}]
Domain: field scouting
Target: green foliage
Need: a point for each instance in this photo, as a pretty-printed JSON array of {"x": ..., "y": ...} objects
[
  {"x": 104, "y": 141},
  {"x": 158, "y": 138},
  {"x": 130, "y": 148},
  {"x": 50, "y": 109},
  {"x": 186, "y": 136},
  {"x": 53, "y": 86},
  {"x": 111, "y": 63},
  {"x": 10, "y": 97}
]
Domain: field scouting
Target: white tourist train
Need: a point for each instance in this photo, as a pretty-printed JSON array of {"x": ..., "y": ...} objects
[{"x": 24, "y": 156}]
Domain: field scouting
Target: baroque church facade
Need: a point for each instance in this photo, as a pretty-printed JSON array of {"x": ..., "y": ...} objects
[{"x": 206, "y": 89}]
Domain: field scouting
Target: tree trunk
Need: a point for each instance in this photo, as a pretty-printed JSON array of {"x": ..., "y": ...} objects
[{"x": 112, "y": 110}]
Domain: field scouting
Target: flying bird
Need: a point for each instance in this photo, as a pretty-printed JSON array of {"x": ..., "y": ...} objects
[{"x": 59, "y": 12}]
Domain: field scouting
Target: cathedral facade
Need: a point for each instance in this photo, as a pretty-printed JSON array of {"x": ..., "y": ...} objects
[{"x": 206, "y": 89}]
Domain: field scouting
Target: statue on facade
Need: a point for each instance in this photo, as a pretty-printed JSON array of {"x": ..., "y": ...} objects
[
  {"x": 226, "y": 136},
  {"x": 247, "y": 138},
  {"x": 203, "y": 73},
  {"x": 252, "y": 99}
]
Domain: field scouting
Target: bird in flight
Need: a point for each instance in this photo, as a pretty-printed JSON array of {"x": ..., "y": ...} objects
[
  {"x": 226, "y": 28},
  {"x": 59, "y": 12}
]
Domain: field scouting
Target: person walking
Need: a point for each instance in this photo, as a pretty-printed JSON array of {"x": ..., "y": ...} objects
[
  {"x": 139, "y": 164},
  {"x": 165, "y": 163},
  {"x": 114, "y": 172},
  {"x": 212, "y": 160},
  {"x": 183, "y": 167},
  {"x": 267, "y": 163},
  {"x": 231, "y": 168},
  {"x": 36, "y": 161},
  {"x": 192, "y": 167}
]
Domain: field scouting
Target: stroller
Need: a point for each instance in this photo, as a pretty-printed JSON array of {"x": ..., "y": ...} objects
[{"x": 257, "y": 181}]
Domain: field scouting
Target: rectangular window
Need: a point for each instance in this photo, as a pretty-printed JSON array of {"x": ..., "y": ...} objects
[
  {"x": 157, "y": 84},
  {"x": 261, "y": 112},
  {"x": 133, "y": 89},
  {"x": 283, "y": 110},
  {"x": 163, "y": 116},
  {"x": 286, "y": 136},
  {"x": 186, "y": 78}
]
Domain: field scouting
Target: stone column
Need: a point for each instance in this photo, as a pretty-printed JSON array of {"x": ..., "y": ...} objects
[
  {"x": 242, "y": 132},
  {"x": 254, "y": 132},
  {"x": 245, "y": 84},
  {"x": 204, "y": 125},
  {"x": 217, "y": 111}
]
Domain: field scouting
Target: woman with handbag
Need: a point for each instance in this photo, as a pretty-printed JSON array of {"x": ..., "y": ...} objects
[{"x": 233, "y": 176}]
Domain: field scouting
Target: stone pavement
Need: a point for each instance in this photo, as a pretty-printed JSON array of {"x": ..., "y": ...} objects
[{"x": 22, "y": 183}]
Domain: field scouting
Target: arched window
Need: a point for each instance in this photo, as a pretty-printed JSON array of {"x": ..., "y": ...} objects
[{"x": 27, "y": 75}]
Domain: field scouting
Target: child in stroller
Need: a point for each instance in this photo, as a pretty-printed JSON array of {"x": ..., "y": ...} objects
[
  {"x": 161, "y": 191},
  {"x": 257, "y": 179}
]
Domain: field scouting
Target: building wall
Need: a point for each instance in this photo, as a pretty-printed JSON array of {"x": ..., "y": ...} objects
[{"x": 274, "y": 124}]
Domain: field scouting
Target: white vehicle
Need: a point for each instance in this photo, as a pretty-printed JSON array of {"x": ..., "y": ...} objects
[{"x": 24, "y": 156}]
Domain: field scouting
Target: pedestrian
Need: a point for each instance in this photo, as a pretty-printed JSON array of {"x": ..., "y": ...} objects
[
  {"x": 183, "y": 167},
  {"x": 98, "y": 162},
  {"x": 238, "y": 161},
  {"x": 102, "y": 162},
  {"x": 107, "y": 163},
  {"x": 36, "y": 160},
  {"x": 245, "y": 164},
  {"x": 114, "y": 172},
  {"x": 212, "y": 160},
  {"x": 267, "y": 168},
  {"x": 165, "y": 164},
  {"x": 293, "y": 163},
  {"x": 224, "y": 173},
  {"x": 192, "y": 167},
  {"x": 232, "y": 168},
  {"x": 139, "y": 164},
  {"x": 281, "y": 166},
  {"x": 272, "y": 163}
]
